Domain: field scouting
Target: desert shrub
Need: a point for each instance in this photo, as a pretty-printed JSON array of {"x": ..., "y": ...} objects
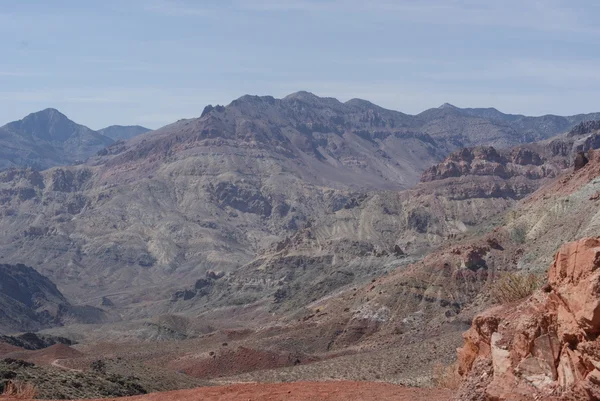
[
  {"x": 177, "y": 323},
  {"x": 514, "y": 286},
  {"x": 280, "y": 295},
  {"x": 446, "y": 376},
  {"x": 130, "y": 384},
  {"x": 98, "y": 366},
  {"x": 19, "y": 390},
  {"x": 519, "y": 234},
  {"x": 243, "y": 299},
  {"x": 18, "y": 363}
]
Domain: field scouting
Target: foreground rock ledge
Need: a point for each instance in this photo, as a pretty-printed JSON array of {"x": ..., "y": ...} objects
[{"x": 546, "y": 347}]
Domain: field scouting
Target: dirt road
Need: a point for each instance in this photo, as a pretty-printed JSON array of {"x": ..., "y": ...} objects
[{"x": 56, "y": 363}]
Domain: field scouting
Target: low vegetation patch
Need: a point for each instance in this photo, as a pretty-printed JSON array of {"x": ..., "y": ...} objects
[
  {"x": 519, "y": 234},
  {"x": 514, "y": 286},
  {"x": 20, "y": 390},
  {"x": 446, "y": 376}
]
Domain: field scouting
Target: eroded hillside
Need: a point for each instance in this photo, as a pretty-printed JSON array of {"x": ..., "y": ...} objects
[{"x": 263, "y": 184}]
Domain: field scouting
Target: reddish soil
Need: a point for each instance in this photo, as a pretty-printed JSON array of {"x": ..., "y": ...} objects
[
  {"x": 241, "y": 360},
  {"x": 45, "y": 356},
  {"x": 7, "y": 349},
  {"x": 307, "y": 391}
]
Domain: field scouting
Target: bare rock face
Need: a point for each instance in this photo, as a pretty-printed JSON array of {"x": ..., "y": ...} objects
[
  {"x": 580, "y": 161},
  {"x": 525, "y": 157},
  {"x": 585, "y": 127},
  {"x": 476, "y": 161},
  {"x": 546, "y": 347},
  {"x": 487, "y": 161},
  {"x": 30, "y": 301},
  {"x": 575, "y": 277}
]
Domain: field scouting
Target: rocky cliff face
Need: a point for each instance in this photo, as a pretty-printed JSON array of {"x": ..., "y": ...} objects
[
  {"x": 30, "y": 301},
  {"x": 487, "y": 161},
  {"x": 545, "y": 347},
  {"x": 585, "y": 127}
]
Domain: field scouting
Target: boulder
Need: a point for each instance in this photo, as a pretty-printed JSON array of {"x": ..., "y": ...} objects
[
  {"x": 580, "y": 161},
  {"x": 575, "y": 277}
]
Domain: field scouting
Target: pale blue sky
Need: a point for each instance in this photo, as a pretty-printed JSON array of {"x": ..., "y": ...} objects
[{"x": 151, "y": 62}]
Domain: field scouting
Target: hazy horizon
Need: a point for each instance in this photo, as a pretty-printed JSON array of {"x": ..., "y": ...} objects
[{"x": 153, "y": 62}]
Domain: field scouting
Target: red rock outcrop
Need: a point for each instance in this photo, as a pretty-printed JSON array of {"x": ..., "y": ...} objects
[
  {"x": 546, "y": 347},
  {"x": 487, "y": 161}
]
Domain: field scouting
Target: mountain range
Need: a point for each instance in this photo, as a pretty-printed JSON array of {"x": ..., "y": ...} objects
[
  {"x": 275, "y": 239},
  {"x": 216, "y": 193},
  {"x": 48, "y": 138}
]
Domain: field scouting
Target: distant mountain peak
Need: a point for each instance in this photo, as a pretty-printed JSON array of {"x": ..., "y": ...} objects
[
  {"x": 49, "y": 114},
  {"x": 302, "y": 95},
  {"x": 48, "y": 110},
  {"x": 360, "y": 102},
  {"x": 448, "y": 106},
  {"x": 41, "y": 121},
  {"x": 124, "y": 126},
  {"x": 48, "y": 138},
  {"x": 123, "y": 132},
  {"x": 253, "y": 99}
]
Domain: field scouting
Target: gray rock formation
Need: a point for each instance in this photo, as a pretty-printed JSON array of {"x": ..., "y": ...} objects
[{"x": 30, "y": 301}]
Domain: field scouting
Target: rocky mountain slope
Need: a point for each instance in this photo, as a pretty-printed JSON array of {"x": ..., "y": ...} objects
[
  {"x": 263, "y": 182},
  {"x": 395, "y": 323},
  {"x": 263, "y": 262},
  {"x": 30, "y": 301},
  {"x": 411, "y": 313},
  {"x": 378, "y": 232},
  {"x": 290, "y": 239}
]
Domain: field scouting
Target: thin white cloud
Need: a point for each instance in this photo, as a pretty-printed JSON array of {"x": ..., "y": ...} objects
[
  {"x": 397, "y": 60},
  {"x": 562, "y": 72},
  {"x": 554, "y": 73},
  {"x": 175, "y": 8},
  {"x": 19, "y": 73},
  {"x": 122, "y": 65},
  {"x": 287, "y": 5},
  {"x": 540, "y": 15},
  {"x": 134, "y": 95},
  {"x": 544, "y": 15}
]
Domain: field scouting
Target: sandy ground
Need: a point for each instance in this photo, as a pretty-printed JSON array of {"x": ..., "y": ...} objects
[{"x": 302, "y": 391}]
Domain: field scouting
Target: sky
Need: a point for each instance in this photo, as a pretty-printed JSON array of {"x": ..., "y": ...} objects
[{"x": 152, "y": 62}]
